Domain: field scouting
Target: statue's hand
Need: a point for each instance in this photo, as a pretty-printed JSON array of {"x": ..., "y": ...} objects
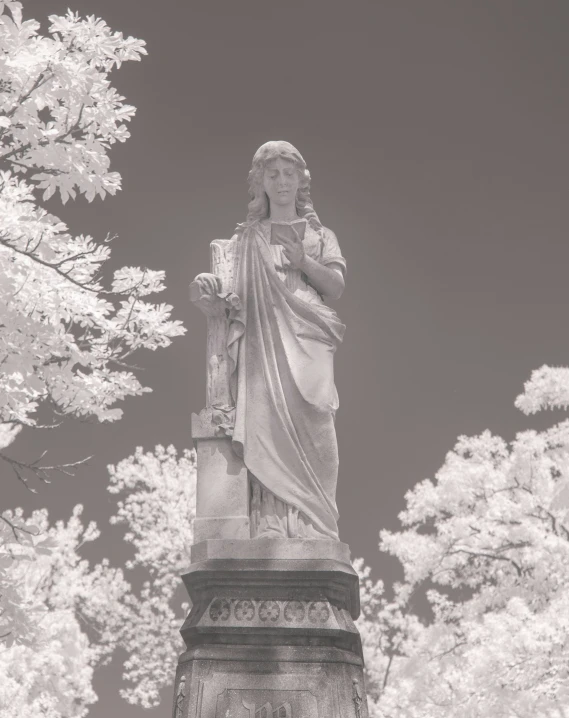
[
  {"x": 209, "y": 284},
  {"x": 205, "y": 293},
  {"x": 293, "y": 248}
]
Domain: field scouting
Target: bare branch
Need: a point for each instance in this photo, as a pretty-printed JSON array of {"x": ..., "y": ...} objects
[
  {"x": 386, "y": 676},
  {"x": 40, "y": 472},
  {"x": 55, "y": 266},
  {"x": 73, "y": 257},
  {"x": 450, "y": 650}
]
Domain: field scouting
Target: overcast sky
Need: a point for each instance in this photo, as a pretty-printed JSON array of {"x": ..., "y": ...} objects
[{"x": 436, "y": 137}]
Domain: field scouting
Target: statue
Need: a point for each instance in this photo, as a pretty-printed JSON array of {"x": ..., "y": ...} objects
[
  {"x": 280, "y": 344},
  {"x": 271, "y": 631}
]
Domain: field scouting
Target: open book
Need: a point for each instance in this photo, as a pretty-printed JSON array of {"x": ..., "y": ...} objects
[{"x": 285, "y": 228}]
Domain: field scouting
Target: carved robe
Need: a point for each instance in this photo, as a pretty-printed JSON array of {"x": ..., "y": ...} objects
[{"x": 281, "y": 345}]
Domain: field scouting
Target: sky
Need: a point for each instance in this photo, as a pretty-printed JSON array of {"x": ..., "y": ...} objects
[{"x": 436, "y": 136}]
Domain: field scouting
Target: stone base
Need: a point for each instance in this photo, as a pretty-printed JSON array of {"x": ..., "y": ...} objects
[
  {"x": 222, "y": 491},
  {"x": 224, "y": 528},
  {"x": 270, "y": 682},
  {"x": 271, "y": 632},
  {"x": 271, "y": 548}
]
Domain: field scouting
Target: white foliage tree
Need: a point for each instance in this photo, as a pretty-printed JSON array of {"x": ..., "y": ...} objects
[
  {"x": 488, "y": 541},
  {"x": 61, "y": 619},
  {"x": 157, "y": 506},
  {"x": 65, "y": 338},
  {"x": 72, "y": 617},
  {"x": 389, "y": 630}
]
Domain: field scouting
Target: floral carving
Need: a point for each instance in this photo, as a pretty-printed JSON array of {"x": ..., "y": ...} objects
[
  {"x": 318, "y": 612},
  {"x": 220, "y": 609},
  {"x": 294, "y": 612},
  {"x": 269, "y": 611},
  {"x": 244, "y": 610}
]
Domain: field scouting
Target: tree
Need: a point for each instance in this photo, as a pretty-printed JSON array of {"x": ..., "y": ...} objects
[
  {"x": 488, "y": 542},
  {"x": 389, "y": 630},
  {"x": 48, "y": 658},
  {"x": 157, "y": 507},
  {"x": 65, "y": 339},
  {"x": 61, "y": 619}
]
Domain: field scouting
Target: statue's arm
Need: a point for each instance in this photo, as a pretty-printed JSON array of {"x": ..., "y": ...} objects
[{"x": 327, "y": 279}]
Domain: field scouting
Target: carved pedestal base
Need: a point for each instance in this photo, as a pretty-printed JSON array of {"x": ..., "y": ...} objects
[{"x": 271, "y": 637}]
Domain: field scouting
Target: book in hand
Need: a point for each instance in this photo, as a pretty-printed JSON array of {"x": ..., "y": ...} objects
[{"x": 286, "y": 229}]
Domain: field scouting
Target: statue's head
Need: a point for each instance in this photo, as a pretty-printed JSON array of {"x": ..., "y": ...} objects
[
  {"x": 259, "y": 204},
  {"x": 271, "y": 151}
]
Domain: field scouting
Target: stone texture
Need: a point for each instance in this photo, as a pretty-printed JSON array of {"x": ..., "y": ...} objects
[
  {"x": 269, "y": 579},
  {"x": 273, "y": 634},
  {"x": 266, "y": 548},
  {"x": 284, "y": 681},
  {"x": 223, "y": 258},
  {"x": 222, "y": 492}
]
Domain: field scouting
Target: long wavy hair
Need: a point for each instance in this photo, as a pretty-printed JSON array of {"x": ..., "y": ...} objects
[{"x": 258, "y": 208}]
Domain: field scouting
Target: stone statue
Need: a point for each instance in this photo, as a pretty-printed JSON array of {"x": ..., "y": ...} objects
[
  {"x": 280, "y": 340},
  {"x": 271, "y": 632}
]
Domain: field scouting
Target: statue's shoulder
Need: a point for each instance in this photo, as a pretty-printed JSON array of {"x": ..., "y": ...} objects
[
  {"x": 331, "y": 252},
  {"x": 329, "y": 232},
  {"x": 329, "y": 240}
]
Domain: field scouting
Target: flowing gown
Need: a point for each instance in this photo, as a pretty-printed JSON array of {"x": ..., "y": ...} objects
[{"x": 281, "y": 344}]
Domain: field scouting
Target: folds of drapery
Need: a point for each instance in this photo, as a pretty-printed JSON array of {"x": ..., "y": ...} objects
[{"x": 281, "y": 349}]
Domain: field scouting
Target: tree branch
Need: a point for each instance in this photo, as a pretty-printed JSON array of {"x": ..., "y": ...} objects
[
  {"x": 15, "y": 528},
  {"x": 41, "y": 79},
  {"x": 40, "y": 472},
  {"x": 37, "y": 259},
  {"x": 481, "y": 554}
]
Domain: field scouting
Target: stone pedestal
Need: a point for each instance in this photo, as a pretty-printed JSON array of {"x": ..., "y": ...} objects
[
  {"x": 271, "y": 632},
  {"x": 222, "y": 490}
]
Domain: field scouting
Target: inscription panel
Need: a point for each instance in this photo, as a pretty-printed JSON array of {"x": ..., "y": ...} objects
[
  {"x": 257, "y": 694},
  {"x": 259, "y": 703}
]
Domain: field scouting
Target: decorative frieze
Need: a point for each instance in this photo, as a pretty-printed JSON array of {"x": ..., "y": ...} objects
[{"x": 268, "y": 612}]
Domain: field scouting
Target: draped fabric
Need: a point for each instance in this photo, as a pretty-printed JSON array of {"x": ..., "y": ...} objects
[{"x": 282, "y": 348}]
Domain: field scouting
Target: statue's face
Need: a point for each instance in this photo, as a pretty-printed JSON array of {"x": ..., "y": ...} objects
[{"x": 280, "y": 181}]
